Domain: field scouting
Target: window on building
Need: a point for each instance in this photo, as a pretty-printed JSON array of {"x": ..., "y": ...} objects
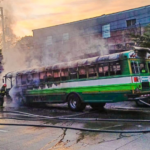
[
  {"x": 64, "y": 74},
  {"x": 65, "y": 36},
  {"x": 106, "y": 31},
  {"x": 48, "y": 41},
  {"x": 82, "y": 73},
  {"x": 73, "y": 73},
  {"x": 56, "y": 75},
  {"x": 131, "y": 22},
  {"x": 92, "y": 71}
]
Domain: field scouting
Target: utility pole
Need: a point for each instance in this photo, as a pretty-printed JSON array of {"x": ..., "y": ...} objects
[{"x": 3, "y": 28}]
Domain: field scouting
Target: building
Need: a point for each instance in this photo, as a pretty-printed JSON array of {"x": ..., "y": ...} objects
[{"x": 90, "y": 37}]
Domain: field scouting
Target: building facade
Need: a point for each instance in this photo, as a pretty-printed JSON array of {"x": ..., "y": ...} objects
[{"x": 90, "y": 37}]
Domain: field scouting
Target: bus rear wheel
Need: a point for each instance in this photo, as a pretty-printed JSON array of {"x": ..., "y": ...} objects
[
  {"x": 98, "y": 106},
  {"x": 74, "y": 103}
]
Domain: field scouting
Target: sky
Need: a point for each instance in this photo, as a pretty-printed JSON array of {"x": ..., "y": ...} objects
[{"x": 27, "y": 15}]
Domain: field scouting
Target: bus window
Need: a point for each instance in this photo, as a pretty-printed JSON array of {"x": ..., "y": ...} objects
[
  {"x": 49, "y": 76},
  {"x": 29, "y": 79},
  {"x": 134, "y": 67},
  {"x": 142, "y": 67},
  {"x": 100, "y": 70},
  {"x": 82, "y": 73},
  {"x": 42, "y": 76},
  {"x": 106, "y": 69},
  {"x": 118, "y": 67},
  {"x": 64, "y": 74},
  {"x": 23, "y": 79},
  {"x": 18, "y": 78},
  {"x": 36, "y": 79},
  {"x": 112, "y": 69},
  {"x": 73, "y": 73},
  {"x": 92, "y": 71},
  {"x": 56, "y": 75},
  {"x": 8, "y": 82},
  {"x": 115, "y": 68}
]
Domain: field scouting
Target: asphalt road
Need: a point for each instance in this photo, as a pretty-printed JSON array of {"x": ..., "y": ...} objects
[{"x": 35, "y": 138}]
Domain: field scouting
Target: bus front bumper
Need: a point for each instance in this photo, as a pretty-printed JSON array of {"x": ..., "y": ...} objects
[{"x": 139, "y": 96}]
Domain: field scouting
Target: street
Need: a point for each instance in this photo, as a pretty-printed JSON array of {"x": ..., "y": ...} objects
[{"x": 40, "y": 138}]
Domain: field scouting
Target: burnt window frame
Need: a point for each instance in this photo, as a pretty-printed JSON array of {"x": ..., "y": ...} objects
[
  {"x": 17, "y": 80},
  {"x": 48, "y": 78},
  {"x": 23, "y": 82},
  {"x": 96, "y": 73},
  {"x": 34, "y": 81},
  {"x": 74, "y": 72},
  {"x": 64, "y": 78},
  {"x": 82, "y": 76},
  {"x": 44, "y": 78},
  {"x": 113, "y": 71},
  {"x": 57, "y": 79},
  {"x": 103, "y": 74}
]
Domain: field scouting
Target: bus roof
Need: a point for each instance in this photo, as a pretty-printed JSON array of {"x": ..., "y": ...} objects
[{"x": 80, "y": 62}]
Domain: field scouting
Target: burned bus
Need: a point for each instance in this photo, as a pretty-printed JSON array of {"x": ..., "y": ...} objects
[{"x": 94, "y": 81}]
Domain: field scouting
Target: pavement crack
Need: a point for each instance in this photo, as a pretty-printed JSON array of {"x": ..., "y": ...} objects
[
  {"x": 81, "y": 137},
  {"x": 61, "y": 140}
]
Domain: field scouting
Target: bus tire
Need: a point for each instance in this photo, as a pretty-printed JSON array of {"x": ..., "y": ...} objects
[
  {"x": 98, "y": 106},
  {"x": 75, "y": 103}
]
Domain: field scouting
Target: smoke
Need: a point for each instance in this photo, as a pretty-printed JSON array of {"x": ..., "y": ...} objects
[
  {"x": 23, "y": 53},
  {"x": 71, "y": 46}
]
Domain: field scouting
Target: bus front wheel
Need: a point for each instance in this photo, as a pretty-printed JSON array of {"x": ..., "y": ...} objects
[
  {"x": 97, "y": 106},
  {"x": 74, "y": 103}
]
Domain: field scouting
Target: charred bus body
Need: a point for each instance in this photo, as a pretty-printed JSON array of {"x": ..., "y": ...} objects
[{"x": 94, "y": 81}]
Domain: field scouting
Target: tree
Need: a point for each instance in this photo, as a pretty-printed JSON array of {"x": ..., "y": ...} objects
[{"x": 142, "y": 40}]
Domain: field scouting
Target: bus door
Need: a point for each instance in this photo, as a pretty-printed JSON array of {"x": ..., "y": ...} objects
[
  {"x": 144, "y": 75},
  {"x": 135, "y": 78},
  {"x": 140, "y": 76}
]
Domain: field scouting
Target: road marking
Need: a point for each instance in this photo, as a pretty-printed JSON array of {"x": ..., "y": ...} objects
[{"x": 3, "y": 131}]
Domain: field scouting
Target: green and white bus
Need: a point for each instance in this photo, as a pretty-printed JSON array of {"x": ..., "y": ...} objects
[{"x": 94, "y": 81}]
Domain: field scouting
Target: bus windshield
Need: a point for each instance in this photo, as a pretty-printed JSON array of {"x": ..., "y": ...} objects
[{"x": 139, "y": 67}]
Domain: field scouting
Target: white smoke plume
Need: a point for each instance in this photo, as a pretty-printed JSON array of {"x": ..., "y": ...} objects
[{"x": 20, "y": 53}]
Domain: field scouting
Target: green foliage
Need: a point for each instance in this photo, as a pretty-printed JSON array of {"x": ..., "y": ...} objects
[{"x": 142, "y": 40}]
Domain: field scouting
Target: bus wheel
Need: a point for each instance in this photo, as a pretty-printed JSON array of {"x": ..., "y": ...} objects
[
  {"x": 74, "y": 103},
  {"x": 97, "y": 106}
]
